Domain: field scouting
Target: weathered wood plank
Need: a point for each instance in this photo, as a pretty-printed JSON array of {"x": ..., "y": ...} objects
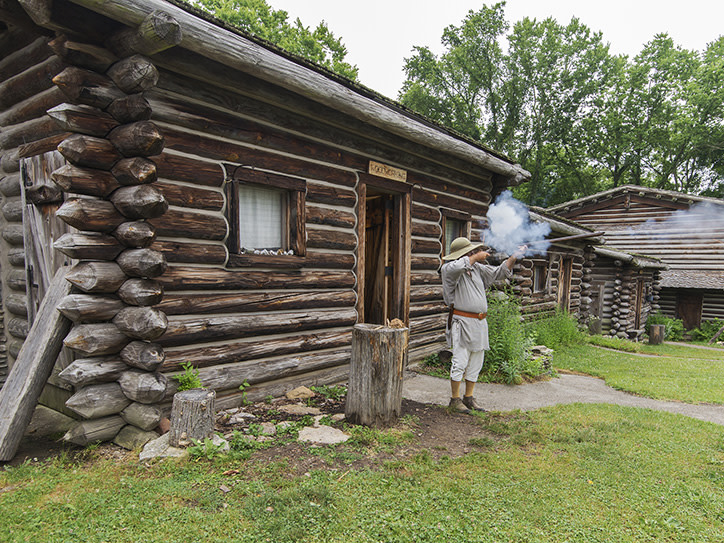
[
  {"x": 214, "y": 355},
  {"x": 185, "y": 304},
  {"x": 191, "y": 224},
  {"x": 188, "y": 330},
  {"x": 191, "y": 197},
  {"x": 29, "y": 82},
  {"x": 231, "y": 376},
  {"x": 191, "y": 253},
  {"x": 32, "y": 367},
  {"x": 192, "y": 278}
]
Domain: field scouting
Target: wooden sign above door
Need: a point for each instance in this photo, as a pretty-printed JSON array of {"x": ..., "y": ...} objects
[{"x": 388, "y": 172}]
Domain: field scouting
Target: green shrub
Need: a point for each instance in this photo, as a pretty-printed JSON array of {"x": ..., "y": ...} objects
[
  {"x": 508, "y": 340},
  {"x": 707, "y": 330},
  {"x": 189, "y": 378},
  {"x": 508, "y": 357},
  {"x": 674, "y": 328},
  {"x": 557, "y": 331}
]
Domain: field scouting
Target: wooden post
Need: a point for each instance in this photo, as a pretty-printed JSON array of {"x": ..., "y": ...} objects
[
  {"x": 192, "y": 416},
  {"x": 32, "y": 368},
  {"x": 656, "y": 334},
  {"x": 379, "y": 357}
]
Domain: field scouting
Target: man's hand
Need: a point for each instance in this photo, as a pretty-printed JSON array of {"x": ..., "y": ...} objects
[
  {"x": 520, "y": 252},
  {"x": 478, "y": 256},
  {"x": 516, "y": 256}
]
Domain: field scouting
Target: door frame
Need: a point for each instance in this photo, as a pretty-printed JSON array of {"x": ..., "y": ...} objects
[{"x": 402, "y": 244}]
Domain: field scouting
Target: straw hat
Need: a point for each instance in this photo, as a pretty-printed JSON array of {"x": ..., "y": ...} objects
[{"x": 460, "y": 247}]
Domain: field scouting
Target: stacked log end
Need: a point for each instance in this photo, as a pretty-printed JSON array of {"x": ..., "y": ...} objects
[
  {"x": 109, "y": 181},
  {"x": 587, "y": 311}
]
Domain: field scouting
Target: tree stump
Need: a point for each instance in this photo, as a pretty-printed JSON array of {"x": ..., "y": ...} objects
[
  {"x": 656, "y": 334},
  {"x": 379, "y": 357},
  {"x": 192, "y": 416}
]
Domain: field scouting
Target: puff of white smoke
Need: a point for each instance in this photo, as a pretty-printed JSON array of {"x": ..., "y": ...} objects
[
  {"x": 701, "y": 221},
  {"x": 510, "y": 226}
]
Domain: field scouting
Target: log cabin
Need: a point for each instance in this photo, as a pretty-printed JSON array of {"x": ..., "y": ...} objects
[
  {"x": 216, "y": 201},
  {"x": 684, "y": 232},
  {"x": 608, "y": 291}
]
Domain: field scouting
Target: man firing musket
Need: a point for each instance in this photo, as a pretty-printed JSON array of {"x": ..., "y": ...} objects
[{"x": 464, "y": 280}]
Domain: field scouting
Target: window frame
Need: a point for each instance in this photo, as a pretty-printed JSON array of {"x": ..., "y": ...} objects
[
  {"x": 458, "y": 216},
  {"x": 295, "y": 216},
  {"x": 543, "y": 266}
]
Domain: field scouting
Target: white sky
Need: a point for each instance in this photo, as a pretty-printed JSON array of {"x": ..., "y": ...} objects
[{"x": 379, "y": 34}]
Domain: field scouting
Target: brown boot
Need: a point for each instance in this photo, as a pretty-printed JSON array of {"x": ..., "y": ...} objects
[
  {"x": 456, "y": 405},
  {"x": 470, "y": 403}
]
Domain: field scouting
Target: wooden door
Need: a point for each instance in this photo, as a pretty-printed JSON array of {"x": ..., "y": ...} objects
[
  {"x": 383, "y": 264},
  {"x": 41, "y": 228},
  {"x": 688, "y": 308}
]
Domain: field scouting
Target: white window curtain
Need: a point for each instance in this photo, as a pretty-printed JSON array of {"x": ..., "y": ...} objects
[
  {"x": 262, "y": 218},
  {"x": 453, "y": 230}
]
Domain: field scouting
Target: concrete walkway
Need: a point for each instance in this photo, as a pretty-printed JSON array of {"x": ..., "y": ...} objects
[{"x": 561, "y": 390}]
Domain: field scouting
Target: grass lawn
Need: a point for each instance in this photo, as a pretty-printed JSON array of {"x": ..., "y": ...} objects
[
  {"x": 677, "y": 372},
  {"x": 589, "y": 473}
]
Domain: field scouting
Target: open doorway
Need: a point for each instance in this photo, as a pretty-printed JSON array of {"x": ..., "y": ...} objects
[{"x": 384, "y": 256}]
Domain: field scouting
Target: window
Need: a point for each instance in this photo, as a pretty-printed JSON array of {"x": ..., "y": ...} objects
[
  {"x": 455, "y": 224},
  {"x": 263, "y": 219},
  {"x": 266, "y": 216},
  {"x": 540, "y": 277},
  {"x": 453, "y": 229}
]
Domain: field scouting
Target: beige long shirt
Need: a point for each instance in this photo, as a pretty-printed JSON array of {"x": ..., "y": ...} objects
[{"x": 464, "y": 284}]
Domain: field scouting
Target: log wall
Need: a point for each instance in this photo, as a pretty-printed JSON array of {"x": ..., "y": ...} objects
[
  {"x": 545, "y": 303},
  {"x": 27, "y": 65},
  {"x": 614, "y": 296}
]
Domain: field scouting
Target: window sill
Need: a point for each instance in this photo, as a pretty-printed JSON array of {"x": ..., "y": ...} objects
[{"x": 266, "y": 261}]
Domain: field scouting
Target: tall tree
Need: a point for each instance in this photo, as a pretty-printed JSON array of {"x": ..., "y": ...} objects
[
  {"x": 578, "y": 118},
  {"x": 557, "y": 73},
  {"x": 260, "y": 19},
  {"x": 461, "y": 88}
]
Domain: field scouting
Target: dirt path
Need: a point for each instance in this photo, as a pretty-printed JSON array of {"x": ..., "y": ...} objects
[{"x": 562, "y": 390}]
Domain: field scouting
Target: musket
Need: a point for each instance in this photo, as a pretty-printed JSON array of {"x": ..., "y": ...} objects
[{"x": 565, "y": 238}]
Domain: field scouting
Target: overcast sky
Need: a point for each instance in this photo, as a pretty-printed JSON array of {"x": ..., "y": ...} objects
[{"x": 379, "y": 34}]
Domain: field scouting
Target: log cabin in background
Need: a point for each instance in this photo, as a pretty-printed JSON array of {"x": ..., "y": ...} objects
[
  {"x": 610, "y": 291},
  {"x": 221, "y": 203},
  {"x": 684, "y": 232}
]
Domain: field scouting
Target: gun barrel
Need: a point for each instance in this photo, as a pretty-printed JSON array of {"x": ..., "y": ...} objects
[{"x": 565, "y": 238}]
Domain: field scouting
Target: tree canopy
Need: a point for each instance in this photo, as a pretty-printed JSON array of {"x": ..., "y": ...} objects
[
  {"x": 579, "y": 118},
  {"x": 260, "y": 19}
]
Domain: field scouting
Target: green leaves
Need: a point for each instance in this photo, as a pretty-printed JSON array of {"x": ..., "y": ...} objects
[
  {"x": 260, "y": 19},
  {"x": 577, "y": 117}
]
